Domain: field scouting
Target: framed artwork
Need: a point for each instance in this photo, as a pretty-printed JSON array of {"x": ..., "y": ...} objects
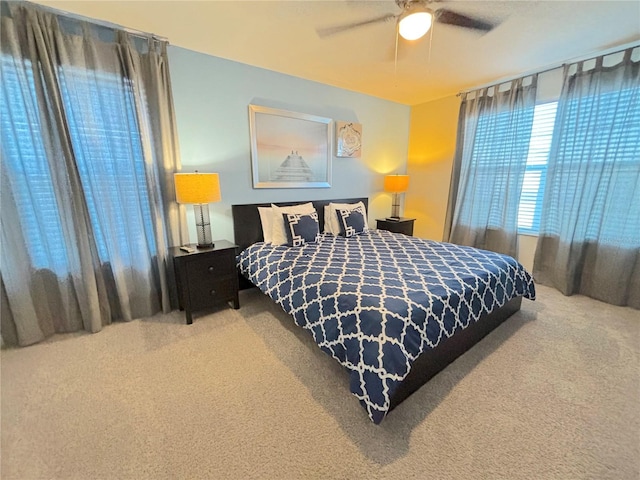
[
  {"x": 348, "y": 139},
  {"x": 289, "y": 150}
]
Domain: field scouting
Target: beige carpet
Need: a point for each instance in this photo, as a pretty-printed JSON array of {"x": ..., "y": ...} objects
[{"x": 552, "y": 394}]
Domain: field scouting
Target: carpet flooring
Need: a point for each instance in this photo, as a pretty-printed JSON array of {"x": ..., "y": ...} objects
[{"x": 553, "y": 393}]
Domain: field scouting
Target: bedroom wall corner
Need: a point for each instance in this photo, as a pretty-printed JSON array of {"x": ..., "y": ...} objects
[{"x": 432, "y": 145}]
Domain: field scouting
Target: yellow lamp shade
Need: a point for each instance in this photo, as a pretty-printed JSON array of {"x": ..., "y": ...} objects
[
  {"x": 197, "y": 188},
  {"x": 396, "y": 183}
]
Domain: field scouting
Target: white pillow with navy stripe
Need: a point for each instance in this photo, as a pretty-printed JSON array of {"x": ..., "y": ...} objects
[{"x": 301, "y": 228}]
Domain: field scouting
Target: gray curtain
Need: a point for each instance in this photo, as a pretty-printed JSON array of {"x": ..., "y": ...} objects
[
  {"x": 589, "y": 239},
  {"x": 89, "y": 147},
  {"x": 494, "y": 130}
]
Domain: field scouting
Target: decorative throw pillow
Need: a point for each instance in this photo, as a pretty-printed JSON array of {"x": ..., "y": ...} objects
[
  {"x": 352, "y": 222},
  {"x": 279, "y": 235},
  {"x": 301, "y": 228},
  {"x": 331, "y": 222}
]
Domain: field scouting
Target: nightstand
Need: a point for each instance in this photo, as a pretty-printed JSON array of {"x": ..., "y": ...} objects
[
  {"x": 206, "y": 277},
  {"x": 402, "y": 225}
]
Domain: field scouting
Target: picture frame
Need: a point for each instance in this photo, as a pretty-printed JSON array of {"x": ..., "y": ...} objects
[
  {"x": 348, "y": 139},
  {"x": 290, "y": 149}
]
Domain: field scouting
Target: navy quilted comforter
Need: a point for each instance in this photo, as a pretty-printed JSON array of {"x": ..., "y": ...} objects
[{"x": 374, "y": 302}]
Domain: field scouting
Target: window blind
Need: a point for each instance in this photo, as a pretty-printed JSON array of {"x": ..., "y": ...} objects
[
  {"x": 500, "y": 136},
  {"x": 605, "y": 129},
  {"x": 107, "y": 147},
  {"x": 533, "y": 186},
  {"x": 26, "y": 168}
]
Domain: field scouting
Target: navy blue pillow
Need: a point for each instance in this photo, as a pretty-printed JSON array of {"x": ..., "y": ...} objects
[
  {"x": 352, "y": 222},
  {"x": 301, "y": 228}
]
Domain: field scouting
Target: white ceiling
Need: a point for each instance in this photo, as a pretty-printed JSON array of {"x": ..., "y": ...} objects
[{"x": 281, "y": 36}]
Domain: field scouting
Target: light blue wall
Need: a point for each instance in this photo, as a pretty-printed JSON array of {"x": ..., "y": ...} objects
[{"x": 211, "y": 97}]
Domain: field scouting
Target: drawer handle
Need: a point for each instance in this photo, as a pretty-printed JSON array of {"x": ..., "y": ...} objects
[
  {"x": 212, "y": 292},
  {"x": 211, "y": 269}
]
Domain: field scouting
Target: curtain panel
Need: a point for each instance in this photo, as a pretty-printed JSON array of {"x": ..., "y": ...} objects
[
  {"x": 589, "y": 239},
  {"x": 89, "y": 148},
  {"x": 494, "y": 131}
]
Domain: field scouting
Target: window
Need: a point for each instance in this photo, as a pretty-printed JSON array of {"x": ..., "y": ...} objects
[
  {"x": 542, "y": 131},
  {"x": 25, "y": 164},
  {"x": 533, "y": 187},
  {"x": 498, "y": 136},
  {"x": 604, "y": 128},
  {"x": 534, "y": 178},
  {"x": 105, "y": 137},
  {"x": 107, "y": 148},
  {"x": 502, "y": 134}
]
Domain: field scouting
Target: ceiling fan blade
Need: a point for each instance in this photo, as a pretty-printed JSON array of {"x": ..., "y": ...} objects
[
  {"x": 328, "y": 31},
  {"x": 456, "y": 19}
]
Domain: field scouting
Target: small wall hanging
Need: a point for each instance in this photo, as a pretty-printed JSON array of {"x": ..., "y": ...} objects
[{"x": 348, "y": 139}]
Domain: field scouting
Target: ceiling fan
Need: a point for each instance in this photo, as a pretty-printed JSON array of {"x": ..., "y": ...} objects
[{"x": 415, "y": 20}]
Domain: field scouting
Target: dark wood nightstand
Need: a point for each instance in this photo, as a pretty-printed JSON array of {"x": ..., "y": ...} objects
[
  {"x": 402, "y": 225},
  {"x": 206, "y": 277}
]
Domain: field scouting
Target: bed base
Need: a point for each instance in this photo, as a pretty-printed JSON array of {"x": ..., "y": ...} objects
[
  {"x": 248, "y": 230},
  {"x": 433, "y": 361}
]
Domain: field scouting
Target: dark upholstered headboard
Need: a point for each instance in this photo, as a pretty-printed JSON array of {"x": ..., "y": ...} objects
[{"x": 247, "y": 227}]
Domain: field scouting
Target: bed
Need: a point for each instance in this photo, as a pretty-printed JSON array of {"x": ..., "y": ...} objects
[{"x": 418, "y": 306}]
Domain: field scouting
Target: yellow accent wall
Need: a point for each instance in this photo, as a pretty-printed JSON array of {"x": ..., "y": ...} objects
[{"x": 432, "y": 145}]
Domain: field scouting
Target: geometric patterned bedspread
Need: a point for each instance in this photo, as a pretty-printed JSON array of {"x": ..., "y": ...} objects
[{"x": 376, "y": 301}]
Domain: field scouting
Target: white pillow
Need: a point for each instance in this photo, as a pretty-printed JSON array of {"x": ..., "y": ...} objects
[
  {"x": 327, "y": 224},
  {"x": 331, "y": 224},
  {"x": 278, "y": 233},
  {"x": 266, "y": 218}
]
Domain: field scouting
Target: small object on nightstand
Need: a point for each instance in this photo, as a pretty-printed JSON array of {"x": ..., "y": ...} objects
[
  {"x": 205, "y": 277},
  {"x": 396, "y": 225}
]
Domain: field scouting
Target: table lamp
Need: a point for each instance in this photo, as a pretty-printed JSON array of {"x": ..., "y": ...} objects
[
  {"x": 199, "y": 189},
  {"x": 396, "y": 184}
]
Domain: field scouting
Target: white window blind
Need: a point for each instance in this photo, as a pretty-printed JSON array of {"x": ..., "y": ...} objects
[
  {"x": 498, "y": 137},
  {"x": 25, "y": 165},
  {"x": 533, "y": 185},
  {"x": 107, "y": 147},
  {"x": 605, "y": 128}
]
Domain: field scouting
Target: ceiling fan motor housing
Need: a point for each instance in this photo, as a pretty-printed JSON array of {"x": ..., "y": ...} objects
[{"x": 404, "y": 4}]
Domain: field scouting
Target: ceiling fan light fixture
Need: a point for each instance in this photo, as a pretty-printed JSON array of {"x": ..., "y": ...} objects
[{"x": 414, "y": 23}]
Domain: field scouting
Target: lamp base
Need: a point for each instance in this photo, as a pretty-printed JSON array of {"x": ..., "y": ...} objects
[
  {"x": 203, "y": 226},
  {"x": 395, "y": 207}
]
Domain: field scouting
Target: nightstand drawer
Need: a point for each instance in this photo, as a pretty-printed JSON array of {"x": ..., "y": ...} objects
[
  {"x": 210, "y": 265},
  {"x": 212, "y": 291}
]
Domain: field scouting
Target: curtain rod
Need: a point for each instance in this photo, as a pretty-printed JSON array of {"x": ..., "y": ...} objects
[
  {"x": 589, "y": 56},
  {"x": 102, "y": 23}
]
